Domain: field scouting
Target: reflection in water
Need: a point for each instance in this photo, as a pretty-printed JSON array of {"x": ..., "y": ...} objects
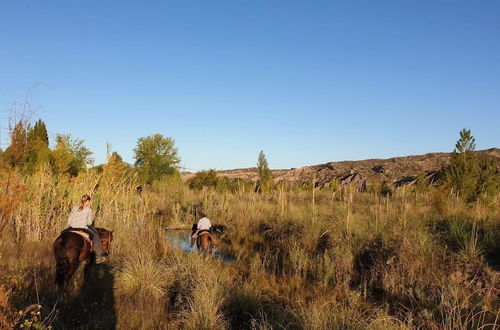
[{"x": 180, "y": 239}]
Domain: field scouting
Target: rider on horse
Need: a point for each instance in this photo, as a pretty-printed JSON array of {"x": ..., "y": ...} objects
[
  {"x": 203, "y": 225},
  {"x": 82, "y": 219}
]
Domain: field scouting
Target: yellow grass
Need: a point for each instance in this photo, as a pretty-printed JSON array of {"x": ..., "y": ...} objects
[{"x": 305, "y": 259}]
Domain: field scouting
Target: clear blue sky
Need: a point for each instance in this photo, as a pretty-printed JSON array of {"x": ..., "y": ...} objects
[{"x": 307, "y": 82}]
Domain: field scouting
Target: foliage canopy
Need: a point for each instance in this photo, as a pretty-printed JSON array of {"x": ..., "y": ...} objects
[
  {"x": 265, "y": 175},
  {"x": 156, "y": 156},
  {"x": 471, "y": 175}
]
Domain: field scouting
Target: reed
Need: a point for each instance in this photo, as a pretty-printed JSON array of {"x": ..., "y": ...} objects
[{"x": 320, "y": 259}]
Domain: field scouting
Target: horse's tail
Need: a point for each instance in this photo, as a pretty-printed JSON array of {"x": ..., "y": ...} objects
[
  {"x": 205, "y": 240},
  {"x": 61, "y": 262}
]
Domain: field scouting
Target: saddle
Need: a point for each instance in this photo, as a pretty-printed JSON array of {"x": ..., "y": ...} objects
[
  {"x": 83, "y": 234},
  {"x": 204, "y": 231}
]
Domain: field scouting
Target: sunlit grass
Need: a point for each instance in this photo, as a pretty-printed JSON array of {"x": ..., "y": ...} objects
[{"x": 335, "y": 260}]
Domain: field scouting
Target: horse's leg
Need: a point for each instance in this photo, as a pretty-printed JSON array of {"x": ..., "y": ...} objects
[
  {"x": 72, "y": 267},
  {"x": 61, "y": 261},
  {"x": 61, "y": 269}
]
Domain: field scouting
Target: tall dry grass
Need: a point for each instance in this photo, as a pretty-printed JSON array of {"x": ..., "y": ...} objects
[{"x": 305, "y": 259}]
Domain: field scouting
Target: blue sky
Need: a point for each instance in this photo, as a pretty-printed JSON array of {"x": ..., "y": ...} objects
[{"x": 306, "y": 81}]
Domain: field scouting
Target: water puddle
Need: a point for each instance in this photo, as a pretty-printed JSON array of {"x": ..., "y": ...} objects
[{"x": 180, "y": 239}]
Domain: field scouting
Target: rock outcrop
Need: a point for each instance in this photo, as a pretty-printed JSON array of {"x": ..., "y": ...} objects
[{"x": 399, "y": 171}]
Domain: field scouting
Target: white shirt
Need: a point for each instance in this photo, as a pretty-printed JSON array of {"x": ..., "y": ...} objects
[
  {"x": 80, "y": 219},
  {"x": 204, "y": 224}
]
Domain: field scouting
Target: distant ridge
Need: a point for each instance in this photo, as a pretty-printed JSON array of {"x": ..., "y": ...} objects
[{"x": 397, "y": 170}]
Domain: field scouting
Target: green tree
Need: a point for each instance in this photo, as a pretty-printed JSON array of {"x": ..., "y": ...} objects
[
  {"x": 460, "y": 174},
  {"x": 466, "y": 143},
  {"x": 155, "y": 157},
  {"x": 70, "y": 155},
  {"x": 61, "y": 158},
  {"x": 39, "y": 133},
  {"x": 38, "y": 151},
  {"x": 469, "y": 174},
  {"x": 265, "y": 175}
]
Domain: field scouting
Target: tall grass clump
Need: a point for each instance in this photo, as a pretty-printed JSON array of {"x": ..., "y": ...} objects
[{"x": 305, "y": 258}]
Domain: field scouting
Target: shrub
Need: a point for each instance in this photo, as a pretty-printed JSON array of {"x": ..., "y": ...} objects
[
  {"x": 204, "y": 179},
  {"x": 469, "y": 175}
]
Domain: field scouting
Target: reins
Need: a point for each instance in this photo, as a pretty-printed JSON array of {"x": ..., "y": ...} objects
[{"x": 108, "y": 240}]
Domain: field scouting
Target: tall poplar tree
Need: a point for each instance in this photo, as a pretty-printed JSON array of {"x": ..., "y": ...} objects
[{"x": 265, "y": 175}]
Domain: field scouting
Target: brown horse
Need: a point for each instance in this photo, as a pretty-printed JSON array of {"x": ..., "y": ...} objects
[
  {"x": 71, "y": 248},
  {"x": 204, "y": 241}
]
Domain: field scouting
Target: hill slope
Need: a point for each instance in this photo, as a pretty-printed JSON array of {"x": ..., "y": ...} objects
[{"x": 398, "y": 170}]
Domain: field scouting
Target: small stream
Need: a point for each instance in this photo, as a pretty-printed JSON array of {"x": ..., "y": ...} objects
[{"x": 180, "y": 239}]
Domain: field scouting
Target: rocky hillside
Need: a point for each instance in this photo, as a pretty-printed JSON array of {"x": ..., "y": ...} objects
[{"x": 398, "y": 171}]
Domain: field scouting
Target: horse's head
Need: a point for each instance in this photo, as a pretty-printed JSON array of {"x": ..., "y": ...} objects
[{"x": 106, "y": 239}]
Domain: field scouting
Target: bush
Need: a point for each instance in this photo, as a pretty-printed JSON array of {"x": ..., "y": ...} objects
[
  {"x": 209, "y": 179},
  {"x": 469, "y": 175},
  {"x": 204, "y": 179}
]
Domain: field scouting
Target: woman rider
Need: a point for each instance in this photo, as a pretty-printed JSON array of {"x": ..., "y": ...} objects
[
  {"x": 203, "y": 224},
  {"x": 81, "y": 218}
]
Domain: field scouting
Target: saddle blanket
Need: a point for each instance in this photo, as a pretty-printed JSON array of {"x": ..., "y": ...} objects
[{"x": 85, "y": 235}]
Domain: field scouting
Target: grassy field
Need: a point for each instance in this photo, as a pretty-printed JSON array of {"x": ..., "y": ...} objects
[{"x": 305, "y": 259}]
